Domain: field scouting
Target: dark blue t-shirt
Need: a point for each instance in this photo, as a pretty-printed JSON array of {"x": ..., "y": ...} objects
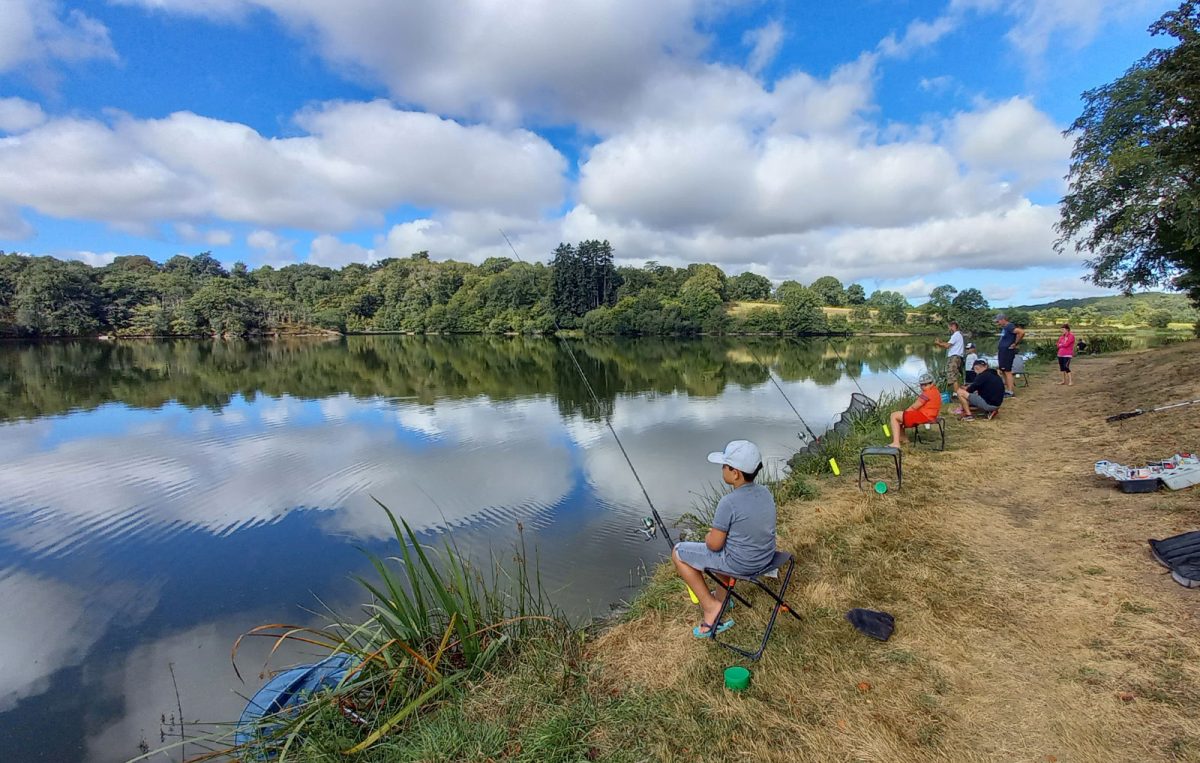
[{"x": 1008, "y": 335}]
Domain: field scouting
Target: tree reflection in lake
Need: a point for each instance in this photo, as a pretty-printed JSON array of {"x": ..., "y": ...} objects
[{"x": 55, "y": 377}]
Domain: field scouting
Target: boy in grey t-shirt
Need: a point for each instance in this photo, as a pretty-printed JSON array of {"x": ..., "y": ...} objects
[{"x": 742, "y": 538}]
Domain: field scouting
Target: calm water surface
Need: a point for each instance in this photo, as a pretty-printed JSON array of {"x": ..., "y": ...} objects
[{"x": 160, "y": 498}]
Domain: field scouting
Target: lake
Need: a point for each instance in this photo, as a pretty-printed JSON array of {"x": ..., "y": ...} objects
[{"x": 159, "y": 498}]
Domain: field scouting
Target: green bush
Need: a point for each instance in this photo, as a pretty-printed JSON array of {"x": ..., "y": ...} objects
[{"x": 1106, "y": 343}]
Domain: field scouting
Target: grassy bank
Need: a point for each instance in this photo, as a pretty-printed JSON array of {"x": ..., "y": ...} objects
[{"x": 1031, "y": 622}]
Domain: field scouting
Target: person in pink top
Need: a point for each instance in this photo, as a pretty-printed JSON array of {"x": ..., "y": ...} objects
[{"x": 1066, "y": 350}]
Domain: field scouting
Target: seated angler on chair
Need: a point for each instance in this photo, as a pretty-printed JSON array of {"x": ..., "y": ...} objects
[
  {"x": 741, "y": 539},
  {"x": 924, "y": 410}
]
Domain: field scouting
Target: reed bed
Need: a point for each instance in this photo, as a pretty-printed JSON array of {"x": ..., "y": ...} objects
[{"x": 435, "y": 621}]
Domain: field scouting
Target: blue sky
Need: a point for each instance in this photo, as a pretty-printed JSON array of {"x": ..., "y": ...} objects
[{"x": 897, "y": 144}]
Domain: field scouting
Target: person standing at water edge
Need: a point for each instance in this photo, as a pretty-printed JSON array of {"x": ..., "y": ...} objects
[
  {"x": 1066, "y": 350},
  {"x": 924, "y": 410},
  {"x": 1010, "y": 339},
  {"x": 742, "y": 537},
  {"x": 954, "y": 356}
]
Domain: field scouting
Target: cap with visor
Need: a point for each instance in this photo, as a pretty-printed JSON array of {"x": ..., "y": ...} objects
[{"x": 742, "y": 455}]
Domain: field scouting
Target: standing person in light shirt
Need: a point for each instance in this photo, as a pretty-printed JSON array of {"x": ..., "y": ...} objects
[
  {"x": 954, "y": 356},
  {"x": 1066, "y": 350},
  {"x": 969, "y": 363}
]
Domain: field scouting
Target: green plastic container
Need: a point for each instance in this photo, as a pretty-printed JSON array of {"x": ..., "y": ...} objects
[
  {"x": 881, "y": 487},
  {"x": 737, "y": 678}
]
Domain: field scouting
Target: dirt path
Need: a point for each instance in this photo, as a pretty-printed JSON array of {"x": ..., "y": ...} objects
[
  {"x": 1098, "y": 653},
  {"x": 1032, "y": 623}
]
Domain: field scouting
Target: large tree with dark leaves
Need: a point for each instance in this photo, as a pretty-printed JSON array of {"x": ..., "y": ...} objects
[
  {"x": 1133, "y": 203},
  {"x": 584, "y": 279}
]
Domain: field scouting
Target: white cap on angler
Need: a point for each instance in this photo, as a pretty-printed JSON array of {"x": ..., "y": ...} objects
[{"x": 742, "y": 455}]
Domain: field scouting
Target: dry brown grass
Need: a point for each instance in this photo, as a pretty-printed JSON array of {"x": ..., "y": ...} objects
[{"x": 1032, "y": 624}]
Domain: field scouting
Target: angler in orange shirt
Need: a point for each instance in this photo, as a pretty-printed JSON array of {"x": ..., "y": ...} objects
[{"x": 924, "y": 410}]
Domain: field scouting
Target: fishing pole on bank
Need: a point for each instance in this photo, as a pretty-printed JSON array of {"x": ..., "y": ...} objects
[
  {"x": 648, "y": 532},
  {"x": 812, "y": 436}
]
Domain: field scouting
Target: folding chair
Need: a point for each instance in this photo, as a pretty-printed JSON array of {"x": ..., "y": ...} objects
[
  {"x": 780, "y": 559},
  {"x": 940, "y": 424}
]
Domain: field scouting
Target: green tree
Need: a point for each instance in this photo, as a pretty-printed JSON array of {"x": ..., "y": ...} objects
[
  {"x": 55, "y": 298},
  {"x": 1159, "y": 319},
  {"x": 1133, "y": 201},
  {"x": 802, "y": 313},
  {"x": 786, "y": 290},
  {"x": 749, "y": 287},
  {"x": 829, "y": 290},
  {"x": 971, "y": 310},
  {"x": 855, "y": 294},
  {"x": 940, "y": 300},
  {"x": 892, "y": 307}
]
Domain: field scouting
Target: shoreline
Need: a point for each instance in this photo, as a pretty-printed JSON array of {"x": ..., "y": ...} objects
[
  {"x": 1032, "y": 623},
  {"x": 1033, "y": 332}
]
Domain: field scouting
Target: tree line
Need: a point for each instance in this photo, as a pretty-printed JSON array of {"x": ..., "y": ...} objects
[{"x": 581, "y": 289}]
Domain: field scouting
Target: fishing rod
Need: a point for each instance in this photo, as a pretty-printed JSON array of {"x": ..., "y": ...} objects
[
  {"x": 811, "y": 435},
  {"x": 1139, "y": 411},
  {"x": 649, "y": 526},
  {"x": 846, "y": 365}
]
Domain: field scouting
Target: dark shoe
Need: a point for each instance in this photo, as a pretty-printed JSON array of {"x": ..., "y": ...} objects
[
  {"x": 992, "y": 414},
  {"x": 967, "y": 418}
]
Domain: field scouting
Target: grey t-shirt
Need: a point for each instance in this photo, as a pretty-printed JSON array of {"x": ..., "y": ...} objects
[{"x": 748, "y": 516}]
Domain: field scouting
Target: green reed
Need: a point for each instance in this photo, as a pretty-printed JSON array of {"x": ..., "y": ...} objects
[{"x": 435, "y": 620}]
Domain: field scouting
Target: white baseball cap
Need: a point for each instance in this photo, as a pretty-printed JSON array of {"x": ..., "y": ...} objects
[{"x": 742, "y": 455}]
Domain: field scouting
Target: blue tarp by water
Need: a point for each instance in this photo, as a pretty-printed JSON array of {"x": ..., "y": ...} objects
[{"x": 288, "y": 689}]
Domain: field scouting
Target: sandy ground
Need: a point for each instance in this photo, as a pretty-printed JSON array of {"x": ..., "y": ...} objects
[{"x": 1032, "y": 623}]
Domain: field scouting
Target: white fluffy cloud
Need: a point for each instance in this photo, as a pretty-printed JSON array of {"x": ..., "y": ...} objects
[
  {"x": 1013, "y": 138},
  {"x": 1038, "y": 23},
  {"x": 332, "y": 253},
  {"x": 357, "y": 161},
  {"x": 764, "y": 45},
  {"x": 562, "y": 61},
  {"x": 18, "y": 115},
  {"x": 272, "y": 248},
  {"x": 196, "y": 235},
  {"x": 13, "y": 226},
  {"x": 38, "y": 32}
]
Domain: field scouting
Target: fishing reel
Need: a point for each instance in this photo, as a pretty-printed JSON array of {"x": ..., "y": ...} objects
[{"x": 648, "y": 528}]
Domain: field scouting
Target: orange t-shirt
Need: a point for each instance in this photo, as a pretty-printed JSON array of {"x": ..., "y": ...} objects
[{"x": 931, "y": 402}]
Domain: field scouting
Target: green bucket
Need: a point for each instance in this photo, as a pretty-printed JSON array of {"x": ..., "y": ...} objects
[
  {"x": 737, "y": 678},
  {"x": 881, "y": 487}
]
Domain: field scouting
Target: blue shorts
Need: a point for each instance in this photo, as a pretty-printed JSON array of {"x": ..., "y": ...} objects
[
  {"x": 701, "y": 557},
  {"x": 1005, "y": 358}
]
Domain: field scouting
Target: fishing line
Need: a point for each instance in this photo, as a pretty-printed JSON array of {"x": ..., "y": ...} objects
[
  {"x": 607, "y": 416},
  {"x": 770, "y": 375},
  {"x": 846, "y": 365}
]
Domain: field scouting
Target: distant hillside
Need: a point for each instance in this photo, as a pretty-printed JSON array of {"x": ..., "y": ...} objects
[{"x": 1115, "y": 306}]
